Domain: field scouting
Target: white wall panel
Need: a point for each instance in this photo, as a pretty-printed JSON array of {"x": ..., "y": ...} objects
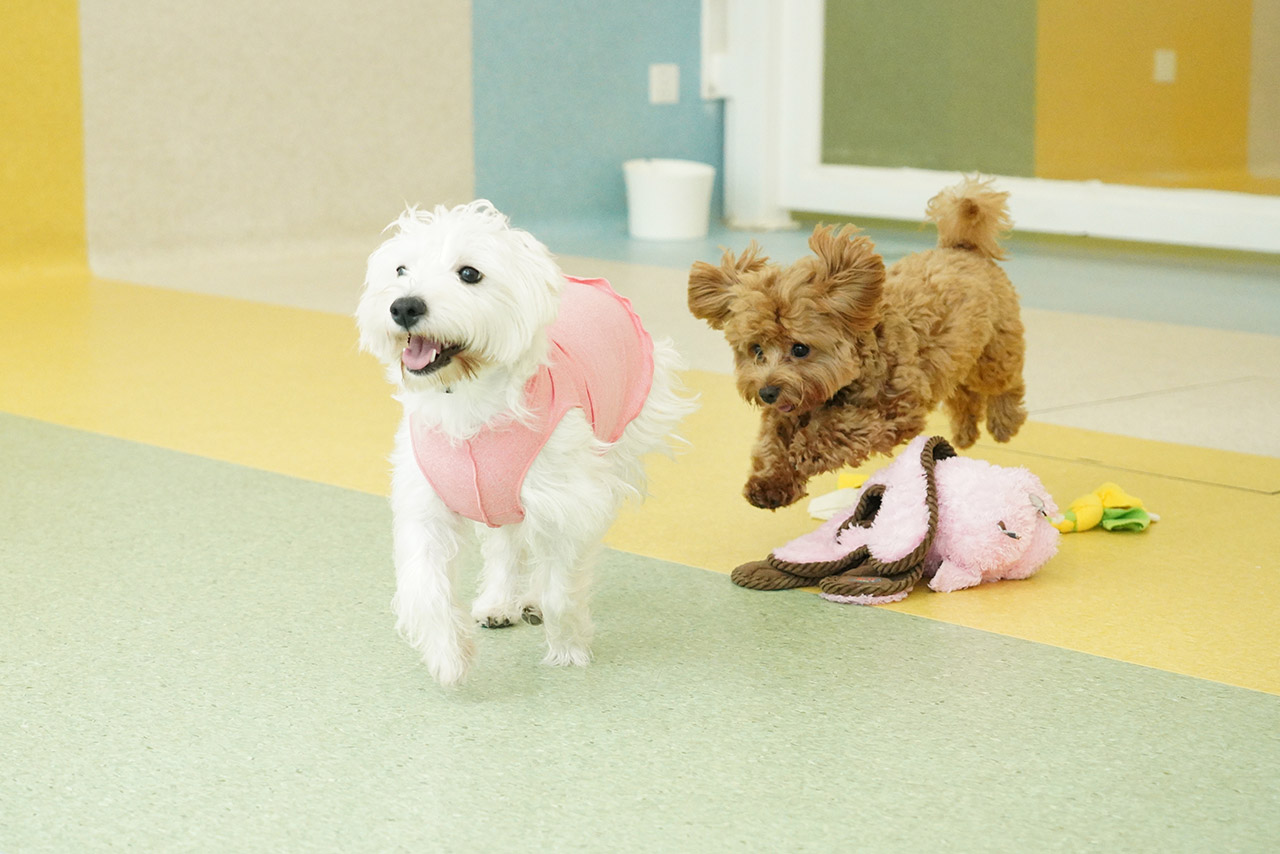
[{"x": 217, "y": 122}]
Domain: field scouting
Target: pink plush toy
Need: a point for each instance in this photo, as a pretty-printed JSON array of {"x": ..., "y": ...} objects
[{"x": 957, "y": 521}]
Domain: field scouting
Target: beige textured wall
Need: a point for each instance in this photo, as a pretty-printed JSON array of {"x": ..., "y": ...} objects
[
  {"x": 1264, "y": 94},
  {"x": 290, "y": 122}
]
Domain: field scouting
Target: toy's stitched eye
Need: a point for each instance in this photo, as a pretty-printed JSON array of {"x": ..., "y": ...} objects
[
  {"x": 799, "y": 350},
  {"x": 1014, "y": 534},
  {"x": 469, "y": 275},
  {"x": 402, "y": 270}
]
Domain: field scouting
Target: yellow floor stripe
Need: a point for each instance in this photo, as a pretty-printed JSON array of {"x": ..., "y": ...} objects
[
  {"x": 1198, "y": 593},
  {"x": 279, "y": 389},
  {"x": 285, "y": 390}
]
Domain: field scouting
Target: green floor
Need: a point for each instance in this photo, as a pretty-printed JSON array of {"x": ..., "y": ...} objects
[{"x": 200, "y": 656}]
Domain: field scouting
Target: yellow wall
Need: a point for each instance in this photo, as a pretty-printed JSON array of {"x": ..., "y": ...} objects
[
  {"x": 1100, "y": 115},
  {"x": 41, "y": 142}
]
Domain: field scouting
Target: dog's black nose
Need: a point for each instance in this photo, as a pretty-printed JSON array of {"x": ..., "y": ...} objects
[
  {"x": 406, "y": 311},
  {"x": 769, "y": 394}
]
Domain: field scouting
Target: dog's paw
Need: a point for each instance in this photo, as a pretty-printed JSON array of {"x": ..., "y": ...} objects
[
  {"x": 965, "y": 437},
  {"x": 495, "y": 612},
  {"x": 495, "y": 616},
  {"x": 566, "y": 655},
  {"x": 441, "y": 635},
  {"x": 532, "y": 615},
  {"x": 448, "y": 664},
  {"x": 1002, "y": 430},
  {"x": 772, "y": 493}
]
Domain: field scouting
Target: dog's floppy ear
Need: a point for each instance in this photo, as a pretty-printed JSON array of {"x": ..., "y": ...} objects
[
  {"x": 711, "y": 288},
  {"x": 850, "y": 273}
]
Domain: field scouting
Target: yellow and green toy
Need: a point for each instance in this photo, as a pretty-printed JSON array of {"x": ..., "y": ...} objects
[{"x": 1108, "y": 506}]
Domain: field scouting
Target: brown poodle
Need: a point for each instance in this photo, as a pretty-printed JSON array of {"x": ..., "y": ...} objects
[{"x": 847, "y": 358}]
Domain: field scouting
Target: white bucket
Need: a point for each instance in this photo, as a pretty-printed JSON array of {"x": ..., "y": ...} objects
[{"x": 668, "y": 199}]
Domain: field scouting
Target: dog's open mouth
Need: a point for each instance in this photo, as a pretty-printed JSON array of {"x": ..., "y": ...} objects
[{"x": 424, "y": 356}]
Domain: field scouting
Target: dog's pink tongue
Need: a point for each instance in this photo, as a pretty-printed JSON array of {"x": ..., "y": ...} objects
[{"x": 420, "y": 353}]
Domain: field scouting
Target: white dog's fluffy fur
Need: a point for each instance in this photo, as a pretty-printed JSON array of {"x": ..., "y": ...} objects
[{"x": 571, "y": 494}]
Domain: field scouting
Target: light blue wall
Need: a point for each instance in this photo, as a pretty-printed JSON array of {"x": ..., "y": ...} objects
[{"x": 561, "y": 95}]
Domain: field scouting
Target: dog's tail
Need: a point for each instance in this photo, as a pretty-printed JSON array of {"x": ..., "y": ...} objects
[{"x": 971, "y": 216}]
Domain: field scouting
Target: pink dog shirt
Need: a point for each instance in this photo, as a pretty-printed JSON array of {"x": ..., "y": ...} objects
[{"x": 600, "y": 360}]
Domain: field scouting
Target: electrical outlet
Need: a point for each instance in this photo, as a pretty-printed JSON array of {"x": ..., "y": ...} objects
[
  {"x": 1165, "y": 67},
  {"x": 664, "y": 83}
]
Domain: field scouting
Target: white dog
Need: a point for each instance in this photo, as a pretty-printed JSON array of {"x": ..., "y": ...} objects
[{"x": 529, "y": 399}]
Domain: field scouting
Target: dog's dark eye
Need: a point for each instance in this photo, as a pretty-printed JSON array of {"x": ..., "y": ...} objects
[
  {"x": 402, "y": 270},
  {"x": 469, "y": 275},
  {"x": 799, "y": 350},
  {"x": 757, "y": 351}
]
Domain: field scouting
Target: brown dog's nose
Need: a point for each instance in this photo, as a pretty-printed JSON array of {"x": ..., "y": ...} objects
[{"x": 769, "y": 394}]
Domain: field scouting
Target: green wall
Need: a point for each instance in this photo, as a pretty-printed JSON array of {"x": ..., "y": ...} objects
[{"x": 936, "y": 84}]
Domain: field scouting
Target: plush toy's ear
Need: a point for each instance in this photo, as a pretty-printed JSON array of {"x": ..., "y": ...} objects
[
  {"x": 711, "y": 288},
  {"x": 850, "y": 274}
]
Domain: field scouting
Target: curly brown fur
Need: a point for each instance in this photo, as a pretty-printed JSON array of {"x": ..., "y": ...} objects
[{"x": 847, "y": 359}]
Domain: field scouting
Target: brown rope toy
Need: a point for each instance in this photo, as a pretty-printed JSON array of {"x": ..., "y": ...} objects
[{"x": 858, "y": 575}]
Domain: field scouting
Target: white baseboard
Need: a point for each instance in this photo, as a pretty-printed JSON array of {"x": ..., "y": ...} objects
[{"x": 1208, "y": 218}]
